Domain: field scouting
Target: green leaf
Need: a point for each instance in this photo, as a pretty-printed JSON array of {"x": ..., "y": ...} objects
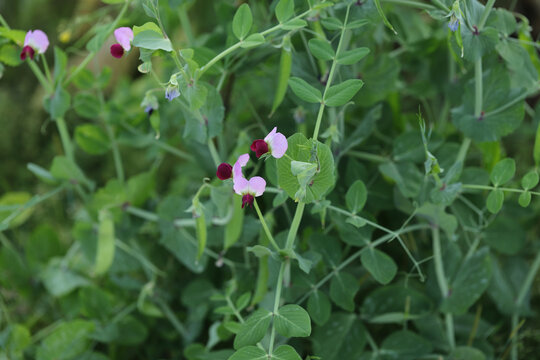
[
  {"x": 331, "y": 23},
  {"x": 381, "y": 266},
  {"x": 68, "y": 341},
  {"x": 151, "y": 40},
  {"x": 524, "y": 199},
  {"x": 18, "y": 340},
  {"x": 85, "y": 79},
  {"x": 530, "y": 180},
  {"x": 59, "y": 103},
  {"x": 285, "y": 352},
  {"x": 536, "y": 150},
  {"x": 243, "y": 301},
  {"x": 151, "y": 26},
  {"x": 383, "y": 16},
  {"x": 505, "y": 235},
  {"x": 254, "y": 329},
  {"x": 466, "y": 353},
  {"x": 321, "y": 49},
  {"x": 495, "y": 201},
  {"x": 140, "y": 188},
  {"x": 476, "y": 46},
  {"x": 294, "y": 24},
  {"x": 10, "y": 55},
  {"x": 105, "y": 244},
  {"x": 356, "y": 196},
  {"x": 395, "y": 304},
  {"x": 342, "y": 337},
  {"x": 343, "y": 289},
  {"x": 16, "y": 199},
  {"x": 60, "y": 64},
  {"x": 252, "y": 41},
  {"x": 406, "y": 345},
  {"x": 352, "y": 56},
  {"x": 470, "y": 282},
  {"x": 502, "y": 114},
  {"x": 503, "y": 171},
  {"x": 303, "y": 150},
  {"x": 406, "y": 176},
  {"x": 284, "y": 10},
  {"x": 305, "y": 91},
  {"x": 87, "y": 105},
  {"x": 242, "y": 21},
  {"x": 319, "y": 307},
  {"x": 249, "y": 353},
  {"x": 338, "y": 95},
  {"x": 292, "y": 321},
  {"x": 64, "y": 169},
  {"x": 60, "y": 281}
]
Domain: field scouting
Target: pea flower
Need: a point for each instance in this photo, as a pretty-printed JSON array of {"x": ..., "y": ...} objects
[
  {"x": 124, "y": 36},
  {"x": 34, "y": 41},
  {"x": 172, "y": 92},
  {"x": 453, "y": 24},
  {"x": 274, "y": 143},
  {"x": 226, "y": 171},
  {"x": 149, "y": 103},
  {"x": 249, "y": 189}
]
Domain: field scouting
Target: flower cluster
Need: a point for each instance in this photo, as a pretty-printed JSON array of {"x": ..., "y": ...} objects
[{"x": 274, "y": 144}]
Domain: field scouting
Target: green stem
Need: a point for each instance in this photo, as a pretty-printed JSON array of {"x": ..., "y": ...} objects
[
  {"x": 485, "y": 14},
  {"x": 443, "y": 284},
  {"x": 353, "y": 257},
  {"x": 234, "y": 309},
  {"x": 277, "y": 299},
  {"x": 514, "y": 333},
  {"x": 172, "y": 318},
  {"x": 39, "y": 75},
  {"x": 369, "y": 157},
  {"x": 186, "y": 24},
  {"x": 213, "y": 152},
  {"x": 440, "y": 5},
  {"x": 229, "y": 50},
  {"x": 46, "y": 67},
  {"x": 294, "y": 226},
  {"x": 331, "y": 75},
  {"x": 4, "y": 23},
  {"x": 64, "y": 136},
  {"x": 116, "y": 155},
  {"x": 478, "y": 88},
  {"x": 487, "y": 187},
  {"x": 413, "y": 4},
  {"x": 521, "y": 296},
  {"x": 265, "y": 226}
]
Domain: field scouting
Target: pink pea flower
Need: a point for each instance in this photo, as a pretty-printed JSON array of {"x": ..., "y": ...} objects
[
  {"x": 34, "y": 41},
  {"x": 274, "y": 143},
  {"x": 226, "y": 171},
  {"x": 124, "y": 36},
  {"x": 249, "y": 189}
]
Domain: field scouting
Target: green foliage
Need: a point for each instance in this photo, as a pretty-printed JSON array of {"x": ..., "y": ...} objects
[{"x": 394, "y": 219}]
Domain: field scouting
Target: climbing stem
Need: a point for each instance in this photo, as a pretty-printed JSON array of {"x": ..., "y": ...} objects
[
  {"x": 265, "y": 226},
  {"x": 64, "y": 136},
  {"x": 443, "y": 284}
]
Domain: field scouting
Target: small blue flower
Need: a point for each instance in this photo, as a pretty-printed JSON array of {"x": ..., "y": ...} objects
[
  {"x": 149, "y": 110},
  {"x": 454, "y": 23},
  {"x": 172, "y": 92}
]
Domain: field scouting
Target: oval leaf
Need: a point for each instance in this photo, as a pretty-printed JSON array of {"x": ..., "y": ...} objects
[
  {"x": 321, "y": 49},
  {"x": 356, "y": 196},
  {"x": 381, "y": 266},
  {"x": 503, "y": 171},
  {"x": 340, "y": 94},
  {"x": 242, "y": 21},
  {"x": 254, "y": 329},
  {"x": 305, "y": 91},
  {"x": 292, "y": 321}
]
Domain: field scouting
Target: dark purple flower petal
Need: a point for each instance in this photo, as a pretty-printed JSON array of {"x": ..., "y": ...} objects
[
  {"x": 224, "y": 171},
  {"x": 260, "y": 147},
  {"x": 117, "y": 51},
  {"x": 27, "y": 51},
  {"x": 247, "y": 200}
]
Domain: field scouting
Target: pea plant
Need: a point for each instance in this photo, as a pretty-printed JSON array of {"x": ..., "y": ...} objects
[{"x": 284, "y": 180}]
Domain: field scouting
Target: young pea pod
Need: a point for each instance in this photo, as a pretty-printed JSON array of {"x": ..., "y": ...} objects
[{"x": 285, "y": 64}]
